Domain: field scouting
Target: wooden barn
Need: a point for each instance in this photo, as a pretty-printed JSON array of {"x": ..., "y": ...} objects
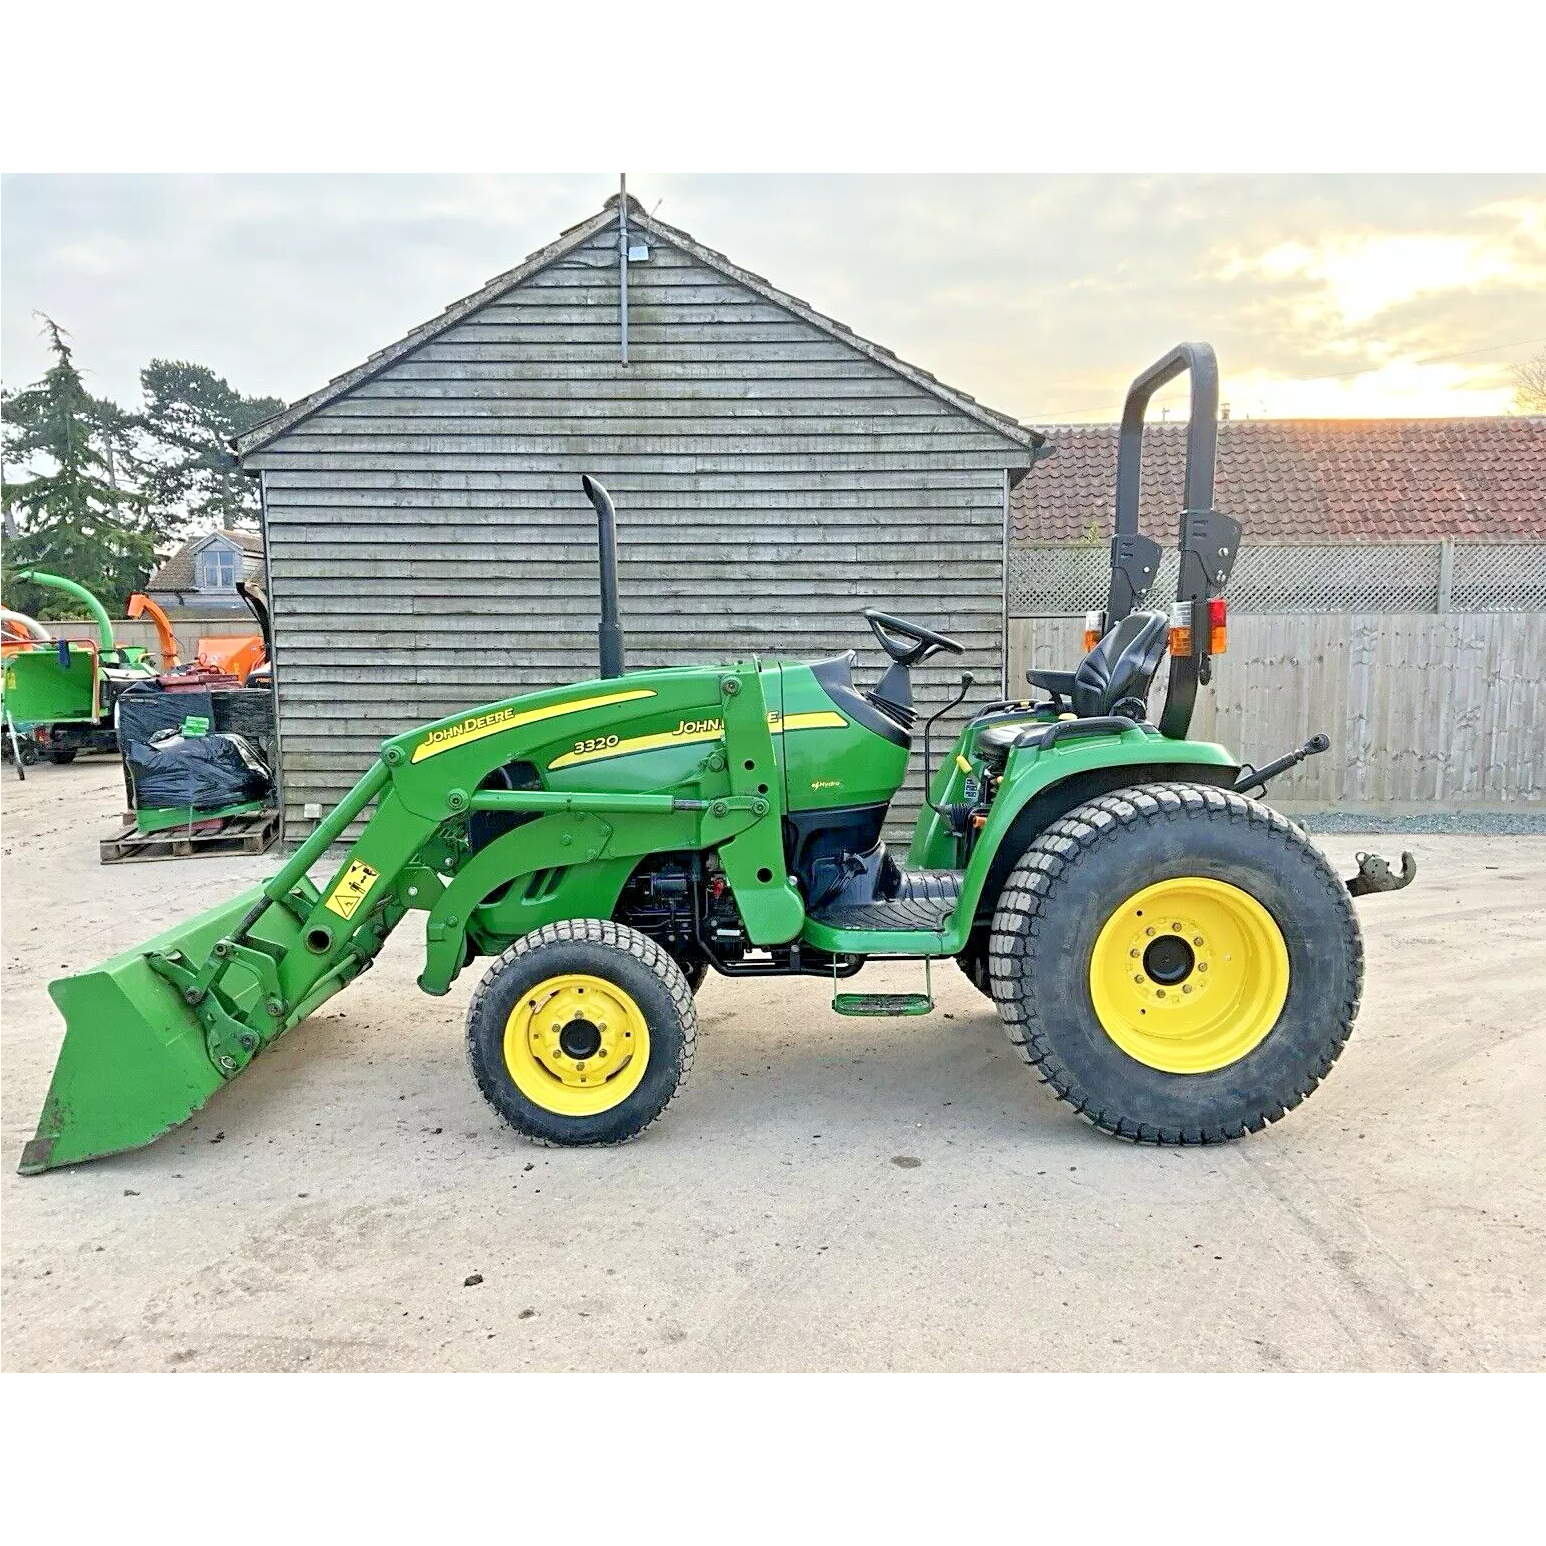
[{"x": 429, "y": 546}]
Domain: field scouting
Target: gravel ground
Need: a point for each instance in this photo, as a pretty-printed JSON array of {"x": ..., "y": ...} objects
[
  {"x": 1456, "y": 823},
  {"x": 826, "y": 1194}
]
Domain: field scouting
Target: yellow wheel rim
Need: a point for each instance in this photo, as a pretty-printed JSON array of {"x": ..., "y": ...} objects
[
  {"x": 576, "y": 1045},
  {"x": 1189, "y": 975}
]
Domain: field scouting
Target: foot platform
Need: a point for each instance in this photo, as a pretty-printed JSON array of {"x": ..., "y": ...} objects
[{"x": 886, "y": 1004}]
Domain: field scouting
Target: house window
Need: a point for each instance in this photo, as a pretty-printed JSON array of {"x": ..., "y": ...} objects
[{"x": 217, "y": 569}]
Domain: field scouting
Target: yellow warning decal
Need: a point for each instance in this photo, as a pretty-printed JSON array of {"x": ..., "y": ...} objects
[
  {"x": 352, "y": 889},
  {"x": 687, "y": 732},
  {"x": 481, "y": 725}
]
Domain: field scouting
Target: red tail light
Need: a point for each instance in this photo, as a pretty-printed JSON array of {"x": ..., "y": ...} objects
[{"x": 1218, "y": 625}]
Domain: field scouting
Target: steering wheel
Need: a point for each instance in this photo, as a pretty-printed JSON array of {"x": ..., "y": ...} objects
[{"x": 891, "y": 632}]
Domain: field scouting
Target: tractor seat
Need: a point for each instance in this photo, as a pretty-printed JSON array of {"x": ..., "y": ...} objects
[{"x": 1115, "y": 676}]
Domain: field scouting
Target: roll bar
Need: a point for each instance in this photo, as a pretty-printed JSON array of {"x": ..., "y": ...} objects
[{"x": 1209, "y": 540}]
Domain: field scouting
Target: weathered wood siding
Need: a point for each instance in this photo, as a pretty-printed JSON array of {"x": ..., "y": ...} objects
[
  {"x": 430, "y": 548},
  {"x": 1420, "y": 708}
]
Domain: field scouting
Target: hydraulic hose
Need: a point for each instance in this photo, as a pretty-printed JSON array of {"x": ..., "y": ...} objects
[{"x": 98, "y": 611}]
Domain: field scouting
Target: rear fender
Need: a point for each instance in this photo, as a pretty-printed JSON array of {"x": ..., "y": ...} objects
[{"x": 1041, "y": 786}]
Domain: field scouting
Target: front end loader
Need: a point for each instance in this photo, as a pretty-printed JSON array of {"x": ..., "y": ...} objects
[{"x": 1176, "y": 959}]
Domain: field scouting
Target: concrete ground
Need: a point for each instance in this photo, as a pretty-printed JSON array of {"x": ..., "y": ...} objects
[{"x": 828, "y": 1194}]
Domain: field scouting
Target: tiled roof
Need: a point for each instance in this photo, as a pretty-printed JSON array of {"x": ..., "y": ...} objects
[
  {"x": 176, "y": 574},
  {"x": 1305, "y": 480}
]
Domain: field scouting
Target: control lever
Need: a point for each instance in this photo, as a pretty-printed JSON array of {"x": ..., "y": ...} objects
[{"x": 928, "y": 761}]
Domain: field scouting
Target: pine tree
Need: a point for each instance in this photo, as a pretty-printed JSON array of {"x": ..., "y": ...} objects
[
  {"x": 192, "y": 480},
  {"x": 83, "y": 518}
]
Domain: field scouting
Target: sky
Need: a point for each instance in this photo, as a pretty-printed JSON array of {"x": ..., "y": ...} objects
[{"x": 1325, "y": 296}]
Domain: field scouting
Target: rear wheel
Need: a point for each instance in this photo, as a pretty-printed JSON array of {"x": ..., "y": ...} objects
[
  {"x": 62, "y": 754},
  {"x": 1179, "y": 963},
  {"x": 581, "y": 1033}
]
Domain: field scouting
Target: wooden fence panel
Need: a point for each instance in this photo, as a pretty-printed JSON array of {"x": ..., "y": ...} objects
[{"x": 1420, "y": 708}]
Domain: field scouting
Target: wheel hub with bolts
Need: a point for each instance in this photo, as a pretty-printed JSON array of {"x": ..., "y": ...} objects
[
  {"x": 580, "y": 1040},
  {"x": 1169, "y": 959},
  {"x": 576, "y": 1044},
  {"x": 1189, "y": 975}
]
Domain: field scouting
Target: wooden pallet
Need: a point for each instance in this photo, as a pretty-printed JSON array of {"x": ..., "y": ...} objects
[{"x": 252, "y": 834}]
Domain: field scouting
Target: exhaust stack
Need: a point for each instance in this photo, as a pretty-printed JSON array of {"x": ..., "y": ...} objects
[{"x": 610, "y": 634}]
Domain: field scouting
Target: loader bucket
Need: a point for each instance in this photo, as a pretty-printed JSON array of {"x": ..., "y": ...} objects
[{"x": 135, "y": 1063}]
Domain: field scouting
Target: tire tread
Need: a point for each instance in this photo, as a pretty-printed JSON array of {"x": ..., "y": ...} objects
[
  {"x": 595, "y": 931},
  {"x": 1030, "y": 891}
]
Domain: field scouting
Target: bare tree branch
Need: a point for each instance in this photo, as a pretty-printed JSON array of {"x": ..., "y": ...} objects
[{"x": 1530, "y": 384}]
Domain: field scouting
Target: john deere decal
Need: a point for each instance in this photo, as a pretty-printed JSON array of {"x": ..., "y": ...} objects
[
  {"x": 481, "y": 725},
  {"x": 687, "y": 732}
]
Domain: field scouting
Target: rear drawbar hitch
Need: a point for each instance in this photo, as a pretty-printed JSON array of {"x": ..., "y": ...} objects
[{"x": 1374, "y": 874}]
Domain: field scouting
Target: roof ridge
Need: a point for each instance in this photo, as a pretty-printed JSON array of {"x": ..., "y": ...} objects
[{"x": 1052, "y": 427}]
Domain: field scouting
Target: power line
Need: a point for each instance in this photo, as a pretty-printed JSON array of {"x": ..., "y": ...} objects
[{"x": 1337, "y": 375}]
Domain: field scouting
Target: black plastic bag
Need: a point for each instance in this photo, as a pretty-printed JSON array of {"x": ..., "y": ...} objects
[
  {"x": 149, "y": 708},
  {"x": 197, "y": 772}
]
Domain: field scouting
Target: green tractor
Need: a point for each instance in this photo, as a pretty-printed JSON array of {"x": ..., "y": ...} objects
[{"x": 1174, "y": 958}]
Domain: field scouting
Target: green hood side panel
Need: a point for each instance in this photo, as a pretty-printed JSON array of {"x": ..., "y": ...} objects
[
  {"x": 830, "y": 760},
  {"x": 640, "y": 733}
]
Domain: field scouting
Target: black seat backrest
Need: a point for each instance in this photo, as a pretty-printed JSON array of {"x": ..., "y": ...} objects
[{"x": 1122, "y": 665}]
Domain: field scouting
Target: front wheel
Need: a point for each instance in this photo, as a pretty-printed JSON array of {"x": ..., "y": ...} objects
[
  {"x": 1179, "y": 963},
  {"x": 582, "y": 1032}
]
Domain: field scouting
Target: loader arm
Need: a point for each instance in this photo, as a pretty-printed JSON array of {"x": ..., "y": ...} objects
[{"x": 153, "y": 1033}]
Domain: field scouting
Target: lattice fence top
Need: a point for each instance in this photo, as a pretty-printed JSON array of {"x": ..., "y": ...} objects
[
  {"x": 1498, "y": 577},
  {"x": 1329, "y": 577}
]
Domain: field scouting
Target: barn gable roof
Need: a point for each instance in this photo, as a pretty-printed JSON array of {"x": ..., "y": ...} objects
[{"x": 260, "y": 435}]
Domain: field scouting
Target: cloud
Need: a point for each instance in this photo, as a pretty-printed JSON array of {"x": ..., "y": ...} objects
[{"x": 1040, "y": 295}]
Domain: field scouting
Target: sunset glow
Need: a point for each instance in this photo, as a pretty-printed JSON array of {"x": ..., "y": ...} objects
[{"x": 1325, "y": 296}]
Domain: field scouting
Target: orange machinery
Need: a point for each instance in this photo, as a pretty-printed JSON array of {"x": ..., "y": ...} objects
[{"x": 238, "y": 656}]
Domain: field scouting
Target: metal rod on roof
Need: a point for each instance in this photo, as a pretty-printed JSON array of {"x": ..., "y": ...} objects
[{"x": 622, "y": 261}]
